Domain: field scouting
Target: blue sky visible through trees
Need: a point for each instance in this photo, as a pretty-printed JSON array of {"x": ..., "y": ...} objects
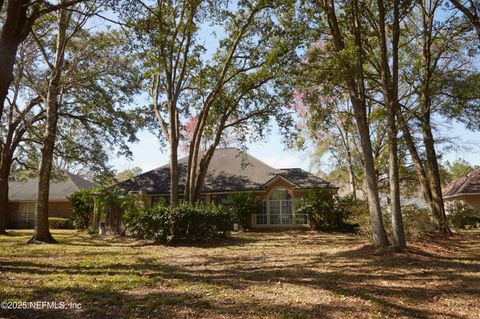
[{"x": 456, "y": 140}]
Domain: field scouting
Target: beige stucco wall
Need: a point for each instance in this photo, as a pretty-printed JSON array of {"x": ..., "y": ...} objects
[{"x": 472, "y": 200}]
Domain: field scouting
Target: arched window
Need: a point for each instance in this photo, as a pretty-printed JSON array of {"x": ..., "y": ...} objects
[
  {"x": 280, "y": 207},
  {"x": 280, "y": 194}
]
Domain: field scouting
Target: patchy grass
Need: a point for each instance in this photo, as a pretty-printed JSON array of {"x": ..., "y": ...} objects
[{"x": 252, "y": 275}]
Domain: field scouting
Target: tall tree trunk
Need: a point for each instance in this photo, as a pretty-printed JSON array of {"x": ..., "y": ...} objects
[
  {"x": 379, "y": 234},
  {"x": 4, "y": 174},
  {"x": 42, "y": 231},
  {"x": 205, "y": 160},
  {"x": 343, "y": 128},
  {"x": 435, "y": 183},
  {"x": 378, "y": 229},
  {"x": 12, "y": 34},
  {"x": 417, "y": 162},
  {"x": 174, "y": 140},
  {"x": 351, "y": 175},
  {"x": 356, "y": 89},
  {"x": 174, "y": 173},
  {"x": 390, "y": 89},
  {"x": 428, "y": 13}
]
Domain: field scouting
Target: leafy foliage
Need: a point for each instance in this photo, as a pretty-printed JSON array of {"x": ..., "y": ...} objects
[
  {"x": 181, "y": 223},
  {"x": 457, "y": 168},
  {"x": 59, "y": 223},
  {"x": 416, "y": 222},
  {"x": 243, "y": 205},
  {"x": 464, "y": 216},
  {"x": 325, "y": 211},
  {"x": 96, "y": 111},
  {"x": 83, "y": 204},
  {"x": 111, "y": 199}
]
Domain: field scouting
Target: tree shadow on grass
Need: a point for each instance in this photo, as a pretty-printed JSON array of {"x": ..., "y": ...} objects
[
  {"x": 106, "y": 303},
  {"x": 392, "y": 283},
  {"x": 357, "y": 282}
]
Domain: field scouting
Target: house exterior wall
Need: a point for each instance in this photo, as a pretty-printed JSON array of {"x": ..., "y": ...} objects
[
  {"x": 263, "y": 195},
  {"x": 471, "y": 200},
  {"x": 58, "y": 209}
]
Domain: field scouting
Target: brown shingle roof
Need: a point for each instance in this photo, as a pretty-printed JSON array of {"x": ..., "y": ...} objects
[
  {"x": 59, "y": 190},
  {"x": 468, "y": 184},
  {"x": 230, "y": 170}
]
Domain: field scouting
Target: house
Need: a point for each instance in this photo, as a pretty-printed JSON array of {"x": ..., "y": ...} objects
[
  {"x": 232, "y": 171},
  {"x": 415, "y": 200},
  {"x": 465, "y": 190},
  {"x": 22, "y": 198}
]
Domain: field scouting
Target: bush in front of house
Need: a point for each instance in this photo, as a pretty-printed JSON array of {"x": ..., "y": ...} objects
[
  {"x": 243, "y": 205},
  {"x": 59, "y": 223},
  {"x": 185, "y": 222},
  {"x": 462, "y": 216},
  {"x": 417, "y": 223},
  {"x": 326, "y": 212},
  {"x": 82, "y": 208}
]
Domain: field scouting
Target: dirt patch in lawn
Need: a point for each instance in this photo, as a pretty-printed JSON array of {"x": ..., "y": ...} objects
[{"x": 251, "y": 275}]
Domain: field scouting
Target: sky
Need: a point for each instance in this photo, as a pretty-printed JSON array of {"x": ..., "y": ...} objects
[{"x": 148, "y": 155}]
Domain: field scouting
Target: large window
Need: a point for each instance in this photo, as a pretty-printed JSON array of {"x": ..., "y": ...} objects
[
  {"x": 279, "y": 209},
  {"x": 262, "y": 217},
  {"x": 222, "y": 199},
  {"x": 26, "y": 212}
]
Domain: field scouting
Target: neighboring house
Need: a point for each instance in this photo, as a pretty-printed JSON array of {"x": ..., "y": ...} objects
[
  {"x": 22, "y": 197},
  {"x": 465, "y": 189},
  {"x": 414, "y": 200},
  {"x": 233, "y": 171}
]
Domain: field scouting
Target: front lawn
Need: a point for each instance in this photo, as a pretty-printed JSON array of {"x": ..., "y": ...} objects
[{"x": 252, "y": 275}]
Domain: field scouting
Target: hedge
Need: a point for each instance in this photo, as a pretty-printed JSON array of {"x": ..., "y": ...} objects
[{"x": 182, "y": 223}]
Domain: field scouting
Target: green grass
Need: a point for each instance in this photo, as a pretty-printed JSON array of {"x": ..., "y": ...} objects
[{"x": 252, "y": 275}]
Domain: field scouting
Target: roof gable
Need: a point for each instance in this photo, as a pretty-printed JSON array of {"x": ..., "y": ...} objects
[{"x": 279, "y": 177}]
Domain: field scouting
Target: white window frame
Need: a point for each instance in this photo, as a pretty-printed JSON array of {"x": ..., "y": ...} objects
[
  {"x": 282, "y": 204},
  {"x": 26, "y": 209}
]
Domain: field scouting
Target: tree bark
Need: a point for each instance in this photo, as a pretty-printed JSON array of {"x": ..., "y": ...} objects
[
  {"x": 434, "y": 176},
  {"x": 4, "y": 174},
  {"x": 428, "y": 12},
  {"x": 390, "y": 96},
  {"x": 351, "y": 175},
  {"x": 356, "y": 89},
  {"x": 12, "y": 34},
  {"x": 376, "y": 219},
  {"x": 41, "y": 230},
  {"x": 357, "y": 92},
  {"x": 174, "y": 173},
  {"x": 417, "y": 162},
  {"x": 343, "y": 129}
]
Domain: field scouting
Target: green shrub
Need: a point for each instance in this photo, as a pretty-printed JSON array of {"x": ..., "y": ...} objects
[
  {"x": 359, "y": 214},
  {"x": 462, "y": 216},
  {"x": 181, "y": 223},
  {"x": 83, "y": 203},
  {"x": 325, "y": 211},
  {"x": 243, "y": 205},
  {"x": 417, "y": 223},
  {"x": 59, "y": 223}
]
